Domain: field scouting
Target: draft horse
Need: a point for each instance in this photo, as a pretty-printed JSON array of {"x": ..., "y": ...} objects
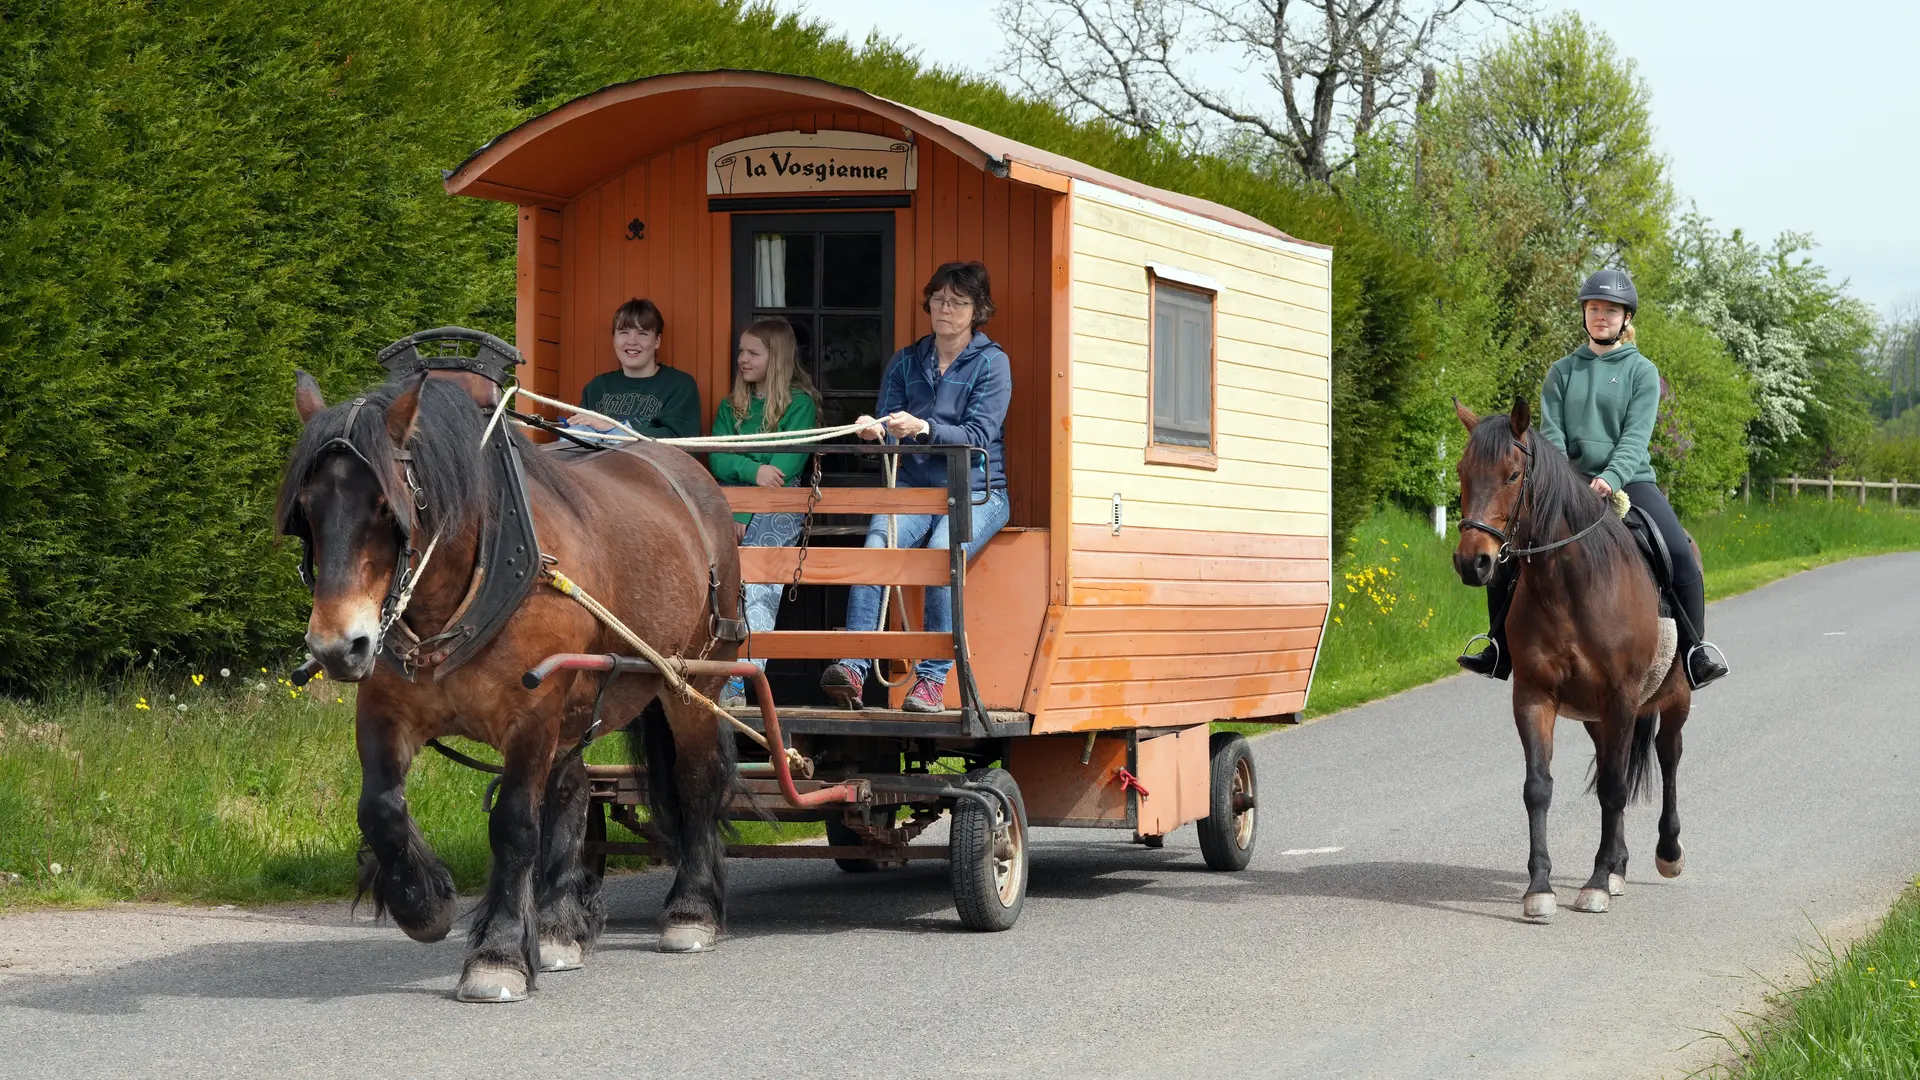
[
  {"x": 1584, "y": 627},
  {"x": 370, "y": 486}
]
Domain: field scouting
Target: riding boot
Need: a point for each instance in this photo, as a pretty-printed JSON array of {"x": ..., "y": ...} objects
[
  {"x": 1703, "y": 661},
  {"x": 1494, "y": 662}
]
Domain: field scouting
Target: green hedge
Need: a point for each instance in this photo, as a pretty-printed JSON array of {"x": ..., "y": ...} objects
[{"x": 197, "y": 197}]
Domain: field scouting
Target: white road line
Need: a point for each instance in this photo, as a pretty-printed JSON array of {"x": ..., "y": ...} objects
[{"x": 1312, "y": 850}]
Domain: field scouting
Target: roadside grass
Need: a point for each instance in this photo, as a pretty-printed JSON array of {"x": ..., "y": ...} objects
[
  {"x": 242, "y": 790},
  {"x": 1857, "y": 1015},
  {"x": 238, "y": 790}
]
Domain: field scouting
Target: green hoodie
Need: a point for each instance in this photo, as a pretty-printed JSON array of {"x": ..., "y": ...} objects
[
  {"x": 1600, "y": 410},
  {"x": 743, "y": 469}
]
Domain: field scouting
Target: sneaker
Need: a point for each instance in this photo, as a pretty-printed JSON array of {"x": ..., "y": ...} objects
[
  {"x": 843, "y": 684},
  {"x": 926, "y": 696},
  {"x": 734, "y": 696}
]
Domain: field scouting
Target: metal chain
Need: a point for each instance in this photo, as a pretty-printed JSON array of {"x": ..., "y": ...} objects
[{"x": 806, "y": 534}]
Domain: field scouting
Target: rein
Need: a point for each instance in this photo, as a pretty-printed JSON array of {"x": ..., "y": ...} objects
[{"x": 1525, "y": 502}]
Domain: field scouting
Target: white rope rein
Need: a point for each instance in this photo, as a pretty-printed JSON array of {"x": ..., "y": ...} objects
[{"x": 626, "y": 434}]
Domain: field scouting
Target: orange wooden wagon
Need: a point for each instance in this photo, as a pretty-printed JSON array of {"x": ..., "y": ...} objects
[{"x": 1167, "y": 560}]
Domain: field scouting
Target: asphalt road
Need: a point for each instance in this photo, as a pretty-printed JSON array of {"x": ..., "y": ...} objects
[{"x": 1375, "y": 935}]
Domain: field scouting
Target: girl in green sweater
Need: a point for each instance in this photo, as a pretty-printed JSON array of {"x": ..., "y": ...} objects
[
  {"x": 770, "y": 393},
  {"x": 1598, "y": 406}
]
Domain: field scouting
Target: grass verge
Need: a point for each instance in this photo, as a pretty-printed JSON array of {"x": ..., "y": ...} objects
[
  {"x": 239, "y": 789},
  {"x": 1857, "y": 1015}
]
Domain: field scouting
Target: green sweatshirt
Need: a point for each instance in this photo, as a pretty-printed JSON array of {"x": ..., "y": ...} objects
[
  {"x": 664, "y": 405},
  {"x": 742, "y": 469},
  {"x": 1600, "y": 410}
]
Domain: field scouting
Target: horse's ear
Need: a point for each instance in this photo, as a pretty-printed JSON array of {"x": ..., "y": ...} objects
[
  {"x": 403, "y": 412},
  {"x": 306, "y": 396},
  {"x": 1521, "y": 417},
  {"x": 1465, "y": 414}
]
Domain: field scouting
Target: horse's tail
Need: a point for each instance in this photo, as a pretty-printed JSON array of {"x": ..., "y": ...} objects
[
  {"x": 650, "y": 743},
  {"x": 1640, "y": 758}
]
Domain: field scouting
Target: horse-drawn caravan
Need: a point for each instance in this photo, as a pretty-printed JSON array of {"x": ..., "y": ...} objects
[{"x": 1166, "y": 561}]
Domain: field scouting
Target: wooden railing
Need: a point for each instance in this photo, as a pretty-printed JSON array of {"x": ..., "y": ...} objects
[{"x": 1827, "y": 484}]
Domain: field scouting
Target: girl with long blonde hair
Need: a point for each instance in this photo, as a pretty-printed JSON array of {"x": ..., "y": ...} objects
[{"x": 771, "y": 392}]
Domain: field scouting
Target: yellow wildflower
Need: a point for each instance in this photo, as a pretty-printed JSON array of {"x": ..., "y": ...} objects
[{"x": 142, "y": 705}]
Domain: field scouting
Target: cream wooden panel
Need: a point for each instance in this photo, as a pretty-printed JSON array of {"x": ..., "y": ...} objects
[{"x": 1273, "y": 338}]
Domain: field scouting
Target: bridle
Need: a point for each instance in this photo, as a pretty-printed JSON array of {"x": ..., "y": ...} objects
[
  {"x": 1524, "y": 503},
  {"x": 411, "y": 562}
]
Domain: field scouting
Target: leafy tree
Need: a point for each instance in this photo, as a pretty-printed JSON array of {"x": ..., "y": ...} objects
[{"x": 1700, "y": 439}]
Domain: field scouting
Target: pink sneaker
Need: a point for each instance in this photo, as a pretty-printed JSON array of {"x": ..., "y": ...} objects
[
  {"x": 926, "y": 696},
  {"x": 843, "y": 685}
]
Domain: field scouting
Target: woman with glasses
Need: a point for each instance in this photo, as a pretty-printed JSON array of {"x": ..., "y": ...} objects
[{"x": 950, "y": 387}]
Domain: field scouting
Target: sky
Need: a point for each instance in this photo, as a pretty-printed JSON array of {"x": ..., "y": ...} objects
[{"x": 1773, "y": 115}]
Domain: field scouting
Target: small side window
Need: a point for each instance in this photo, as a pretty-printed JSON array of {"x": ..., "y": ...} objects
[{"x": 1182, "y": 431}]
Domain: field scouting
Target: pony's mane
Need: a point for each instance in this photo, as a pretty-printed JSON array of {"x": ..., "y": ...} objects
[
  {"x": 1563, "y": 503},
  {"x": 453, "y": 474}
]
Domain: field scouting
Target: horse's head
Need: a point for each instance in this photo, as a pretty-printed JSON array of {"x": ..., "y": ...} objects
[
  {"x": 349, "y": 498},
  {"x": 1491, "y": 469}
]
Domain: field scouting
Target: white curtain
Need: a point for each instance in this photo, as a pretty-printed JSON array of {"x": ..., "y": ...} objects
[{"x": 769, "y": 270}]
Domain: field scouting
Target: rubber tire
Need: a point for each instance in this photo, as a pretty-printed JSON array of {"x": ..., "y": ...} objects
[
  {"x": 839, "y": 835},
  {"x": 1219, "y": 839},
  {"x": 970, "y": 857}
]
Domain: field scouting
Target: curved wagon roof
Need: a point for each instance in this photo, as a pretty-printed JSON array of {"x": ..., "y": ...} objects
[{"x": 552, "y": 158}]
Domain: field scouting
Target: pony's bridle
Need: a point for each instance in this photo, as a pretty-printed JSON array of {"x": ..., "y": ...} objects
[{"x": 1524, "y": 503}]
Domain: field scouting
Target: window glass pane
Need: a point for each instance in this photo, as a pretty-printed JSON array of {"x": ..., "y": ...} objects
[
  {"x": 851, "y": 275},
  {"x": 783, "y": 270},
  {"x": 1183, "y": 367},
  {"x": 851, "y": 353}
]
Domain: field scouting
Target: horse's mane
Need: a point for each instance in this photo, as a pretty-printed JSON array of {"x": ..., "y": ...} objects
[
  {"x": 455, "y": 477},
  {"x": 1563, "y": 503}
]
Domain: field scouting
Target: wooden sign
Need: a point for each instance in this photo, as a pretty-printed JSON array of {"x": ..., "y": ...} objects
[{"x": 793, "y": 162}]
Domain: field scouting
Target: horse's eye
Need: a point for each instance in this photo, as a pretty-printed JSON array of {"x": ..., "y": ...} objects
[{"x": 1514, "y": 478}]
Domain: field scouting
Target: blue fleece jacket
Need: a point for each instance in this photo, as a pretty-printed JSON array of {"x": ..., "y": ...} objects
[{"x": 967, "y": 405}]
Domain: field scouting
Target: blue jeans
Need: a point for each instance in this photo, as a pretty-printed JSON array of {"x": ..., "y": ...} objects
[
  {"x": 917, "y": 531},
  {"x": 762, "y": 599}
]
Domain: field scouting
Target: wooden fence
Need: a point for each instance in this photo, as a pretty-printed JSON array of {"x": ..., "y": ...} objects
[{"x": 1793, "y": 484}]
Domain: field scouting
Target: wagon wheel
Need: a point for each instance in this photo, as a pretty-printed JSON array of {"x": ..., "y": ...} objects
[
  {"x": 840, "y": 834},
  {"x": 1227, "y": 832},
  {"x": 987, "y": 857}
]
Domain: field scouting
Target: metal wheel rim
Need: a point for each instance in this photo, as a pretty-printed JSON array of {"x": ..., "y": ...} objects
[
  {"x": 1243, "y": 786},
  {"x": 1007, "y": 856}
]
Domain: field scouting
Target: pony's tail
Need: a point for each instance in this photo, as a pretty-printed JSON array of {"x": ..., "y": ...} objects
[{"x": 1640, "y": 758}]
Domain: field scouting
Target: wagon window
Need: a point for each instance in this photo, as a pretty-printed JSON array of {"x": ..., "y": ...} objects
[{"x": 1182, "y": 358}]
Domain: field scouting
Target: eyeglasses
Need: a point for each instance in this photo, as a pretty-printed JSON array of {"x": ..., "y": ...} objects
[{"x": 945, "y": 304}]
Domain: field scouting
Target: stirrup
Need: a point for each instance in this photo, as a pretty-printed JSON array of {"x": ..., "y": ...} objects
[
  {"x": 1716, "y": 656},
  {"x": 1468, "y": 654}
]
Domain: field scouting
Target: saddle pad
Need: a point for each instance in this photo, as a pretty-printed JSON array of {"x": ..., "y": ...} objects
[{"x": 1656, "y": 672}]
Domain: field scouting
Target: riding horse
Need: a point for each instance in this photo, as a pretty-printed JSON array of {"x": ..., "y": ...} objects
[
  {"x": 1586, "y": 637},
  {"x": 395, "y": 500}
]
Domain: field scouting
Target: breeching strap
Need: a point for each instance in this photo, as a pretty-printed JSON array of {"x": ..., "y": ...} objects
[{"x": 669, "y": 670}]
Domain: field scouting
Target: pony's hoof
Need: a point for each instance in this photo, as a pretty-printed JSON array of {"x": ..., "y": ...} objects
[
  {"x": 1616, "y": 885},
  {"x": 1592, "y": 901},
  {"x": 492, "y": 983},
  {"x": 1670, "y": 869},
  {"x": 561, "y": 955},
  {"x": 1539, "y": 905},
  {"x": 686, "y": 939}
]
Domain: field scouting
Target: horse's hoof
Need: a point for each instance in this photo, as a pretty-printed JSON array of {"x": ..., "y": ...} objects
[
  {"x": 561, "y": 955},
  {"x": 1670, "y": 869},
  {"x": 1539, "y": 905},
  {"x": 686, "y": 939},
  {"x": 1592, "y": 901},
  {"x": 492, "y": 983},
  {"x": 1616, "y": 885}
]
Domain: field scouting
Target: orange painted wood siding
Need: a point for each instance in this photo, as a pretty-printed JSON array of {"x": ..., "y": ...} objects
[
  {"x": 1166, "y": 627},
  {"x": 585, "y": 266}
]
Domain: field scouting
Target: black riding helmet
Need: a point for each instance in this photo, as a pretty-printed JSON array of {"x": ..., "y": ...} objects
[{"x": 1612, "y": 285}]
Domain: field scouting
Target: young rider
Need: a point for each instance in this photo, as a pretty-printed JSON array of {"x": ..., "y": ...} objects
[
  {"x": 1598, "y": 406},
  {"x": 657, "y": 401},
  {"x": 770, "y": 393}
]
